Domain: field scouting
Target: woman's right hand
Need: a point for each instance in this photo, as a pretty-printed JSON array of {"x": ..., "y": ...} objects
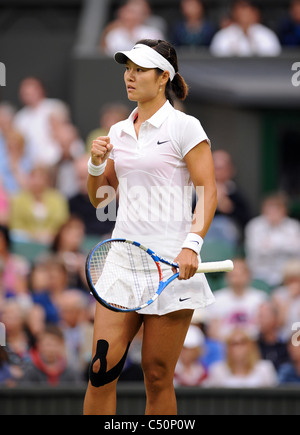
[{"x": 100, "y": 150}]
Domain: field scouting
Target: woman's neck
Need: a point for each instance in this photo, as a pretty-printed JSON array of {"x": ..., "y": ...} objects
[{"x": 148, "y": 109}]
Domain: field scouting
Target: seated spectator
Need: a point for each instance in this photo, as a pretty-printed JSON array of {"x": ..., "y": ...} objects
[
  {"x": 67, "y": 248},
  {"x": 35, "y": 324},
  {"x": 48, "y": 363},
  {"x": 189, "y": 370},
  {"x": 38, "y": 211},
  {"x": 271, "y": 239},
  {"x": 193, "y": 30},
  {"x": 77, "y": 330},
  {"x": 15, "y": 269},
  {"x": 289, "y": 373},
  {"x": 33, "y": 120},
  {"x": 47, "y": 289},
  {"x": 233, "y": 210},
  {"x": 17, "y": 344},
  {"x": 71, "y": 147},
  {"x": 289, "y": 28},
  {"x": 236, "y": 305},
  {"x": 15, "y": 163},
  {"x": 287, "y": 297},
  {"x": 272, "y": 346},
  {"x": 129, "y": 27},
  {"x": 243, "y": 367},
  {"x": 110, "y": 114},
  {"x": 246, "y": 36},
  {"x": 81, "y": 206}
]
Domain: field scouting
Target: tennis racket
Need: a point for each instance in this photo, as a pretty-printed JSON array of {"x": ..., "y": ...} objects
[{"x": 124, "y": 275}]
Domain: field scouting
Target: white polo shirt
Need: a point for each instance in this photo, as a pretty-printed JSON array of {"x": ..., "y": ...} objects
[
  {"x": 155, "y": 187},
  {"x": 155, "y": 192}
]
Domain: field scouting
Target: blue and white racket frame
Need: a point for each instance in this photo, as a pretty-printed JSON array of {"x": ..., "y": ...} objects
[
  {"x": 218, "y": 266},
  {"x": 157, "y": 260}
]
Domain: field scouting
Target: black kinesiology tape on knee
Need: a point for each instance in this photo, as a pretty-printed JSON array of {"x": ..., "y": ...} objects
[{"x": 103, "y": 377}]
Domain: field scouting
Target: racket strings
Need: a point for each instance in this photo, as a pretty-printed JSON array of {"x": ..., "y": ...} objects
[{"x": 123, "y": 275}]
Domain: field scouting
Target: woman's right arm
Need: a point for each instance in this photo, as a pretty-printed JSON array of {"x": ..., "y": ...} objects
[{"x": 100, "y": 151}]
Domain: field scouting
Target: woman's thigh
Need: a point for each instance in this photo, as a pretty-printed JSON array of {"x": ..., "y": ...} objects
[
  {"x": 162, "y": 343},
  {"x": 113, "y": 332}
]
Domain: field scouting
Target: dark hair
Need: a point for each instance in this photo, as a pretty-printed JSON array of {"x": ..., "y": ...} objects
[{"x": 178, "y": 86}]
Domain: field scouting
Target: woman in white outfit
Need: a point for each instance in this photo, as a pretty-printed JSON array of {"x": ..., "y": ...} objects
[{"x": 153, "y": 158}]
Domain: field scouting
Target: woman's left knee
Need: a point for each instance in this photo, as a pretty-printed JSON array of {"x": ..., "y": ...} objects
[{"x": 157, "y": 374}]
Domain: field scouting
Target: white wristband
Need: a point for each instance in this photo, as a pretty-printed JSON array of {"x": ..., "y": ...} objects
[
  {"x": 96, "y": 170},
  {"x": 194, "y": 242}
]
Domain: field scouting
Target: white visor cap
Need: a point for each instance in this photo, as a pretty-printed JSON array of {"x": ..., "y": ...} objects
[{"x": 146, "y": 57}]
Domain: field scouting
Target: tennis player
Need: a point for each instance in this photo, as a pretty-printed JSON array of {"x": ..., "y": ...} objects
[{"x": 159, "y": 151}]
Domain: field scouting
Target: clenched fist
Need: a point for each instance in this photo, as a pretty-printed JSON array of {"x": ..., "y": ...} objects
[{"x": 100, "y": 150}]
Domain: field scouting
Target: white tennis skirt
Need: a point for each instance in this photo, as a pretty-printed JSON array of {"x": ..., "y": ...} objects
[{"x": 180, "y": 294}]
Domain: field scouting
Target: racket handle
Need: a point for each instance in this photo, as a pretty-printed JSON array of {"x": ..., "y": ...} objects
[{"x": 215, "y": 266}]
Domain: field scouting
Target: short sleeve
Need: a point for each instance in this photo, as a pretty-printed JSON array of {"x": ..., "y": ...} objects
[{"x": 192, "y": 134}]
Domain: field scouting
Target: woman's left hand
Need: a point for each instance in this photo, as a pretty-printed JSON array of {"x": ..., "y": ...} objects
[{"x": 188, "y": 263}]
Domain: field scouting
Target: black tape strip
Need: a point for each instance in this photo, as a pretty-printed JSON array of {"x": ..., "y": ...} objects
[{"x": 103, "y": 377}]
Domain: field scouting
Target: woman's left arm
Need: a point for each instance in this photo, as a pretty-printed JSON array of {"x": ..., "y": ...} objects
[{"x": 201, "y": 168}]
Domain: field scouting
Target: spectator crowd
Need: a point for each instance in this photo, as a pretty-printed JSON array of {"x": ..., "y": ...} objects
[
  {"x": 239, "y": 30},
  {"x": 47, "y": 224}
]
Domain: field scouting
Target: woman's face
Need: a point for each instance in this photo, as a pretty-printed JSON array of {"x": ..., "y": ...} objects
[{"x": 142, "y": 84}]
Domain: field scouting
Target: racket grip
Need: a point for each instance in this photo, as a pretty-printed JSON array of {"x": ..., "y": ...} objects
[{"x": 215, "y": 266}]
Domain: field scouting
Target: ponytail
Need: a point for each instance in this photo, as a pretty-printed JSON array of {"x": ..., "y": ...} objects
[{"x": 179, "y": 87}]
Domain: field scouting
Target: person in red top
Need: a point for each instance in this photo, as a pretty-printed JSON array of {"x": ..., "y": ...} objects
[{"x": 49, "y": 365}]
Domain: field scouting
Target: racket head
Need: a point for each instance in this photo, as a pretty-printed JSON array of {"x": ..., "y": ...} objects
[{"x": 123, "y": 275}]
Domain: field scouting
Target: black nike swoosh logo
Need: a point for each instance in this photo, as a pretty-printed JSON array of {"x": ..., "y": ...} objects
[
  {"x": 160, "y": 143},
  {"x": 183, "y": 299}
]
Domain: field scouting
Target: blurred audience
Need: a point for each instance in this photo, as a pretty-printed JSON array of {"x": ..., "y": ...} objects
[
  {"x": 287, "y": 297},
  {"x": 48, "y": 365},
  {"x": 43, "y": 198},
  {"x": 15, "y": 163},
  {"x": 76, "y": 328},
  {"x": 271, "y": 344},
  {"x": 67, "y": 249},
  {"x": 4, "y": 206},
  {"x": 289, "y": 28},
  {"x": 49, "y": 280},
  {"x": 237, "y": 304},
  {"x": 33, "y": 120},
  {"x": 271, "y": 239},
  {"x": 129, "y": 27},
  {"x": 193, "y": 30},
  {"x": 245, "y": 36},
  {"x": 233, "y": 209},
  {"x": 289, "y": 373},
  {"x": 15, "y": 268},
  {"x": 109, "y": 115},
  {"x": 243, "y": 367},
  {"x": 17, "y": 346},
  {"x": 71, "y": 147},
  {"x": 38, "y": 211},
  {"x": 189, "y": 370}
]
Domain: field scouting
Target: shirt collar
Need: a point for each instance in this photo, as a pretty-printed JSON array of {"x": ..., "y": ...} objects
[{"x": 156, "y": 120}]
